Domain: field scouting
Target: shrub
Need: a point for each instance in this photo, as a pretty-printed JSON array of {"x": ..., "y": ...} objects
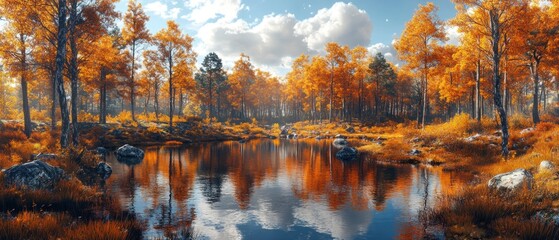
[
  {"x": 22, "y": 150},
  {"x": 124, "y": 117},
  {"x": 519, "y": 121},
  {"x": 459, "y": 124},
  {"x": 87, "y": 117}
]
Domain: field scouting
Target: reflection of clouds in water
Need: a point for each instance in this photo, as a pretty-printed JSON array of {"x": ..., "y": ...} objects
[
  {"x": 274, "y": 204},
  {"x": 217, "y": 221},
  {"x": 340, "y": 224},
  {"x": 270, "y": 208},
  {"x": 274, "y": 207}
]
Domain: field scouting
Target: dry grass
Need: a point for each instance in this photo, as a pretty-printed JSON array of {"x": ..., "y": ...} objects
[
  {"x": 496, "y": 214},
  {"x": 32, "y": 225}
]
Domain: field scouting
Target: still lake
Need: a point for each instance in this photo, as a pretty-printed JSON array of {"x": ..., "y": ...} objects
[{"x": 276, "y": 189}]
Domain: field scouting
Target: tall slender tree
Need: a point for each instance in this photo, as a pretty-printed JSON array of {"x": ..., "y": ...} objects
[
  {"x": 174, "y": 49},
  {"x": 423, "y": 33},
  {"x": 134, "y": 34}
]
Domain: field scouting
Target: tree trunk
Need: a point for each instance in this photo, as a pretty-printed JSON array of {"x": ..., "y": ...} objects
[
  {"x": 478, "y": 92},
  {"x": 331, "y": 93},
  {"x": 211, "y": 100},
  {"x": 59, "y": 67},
  {"x": 156, "y": 100},
  {"x": 171, "y": 94},
  {"x": 102, "y": 98},
  {"x": 424, "y": 112},
  {"x": 73, "y": 69},
  {"x": 53, "y": 103},
  {"x": 25, "y": 101},
  {"x": 536, "y": 78},
  {"x": 132, "y": 83},
  {"x": 496, "y": 51}
]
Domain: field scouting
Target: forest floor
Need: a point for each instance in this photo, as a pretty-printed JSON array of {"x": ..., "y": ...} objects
[{"x": 461, "y": 144}]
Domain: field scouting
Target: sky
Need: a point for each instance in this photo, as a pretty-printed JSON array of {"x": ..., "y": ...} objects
[{"x": 274, "y": 32}]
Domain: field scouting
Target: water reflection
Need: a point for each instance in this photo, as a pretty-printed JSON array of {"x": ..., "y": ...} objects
[{"x": 276, "y": 189}]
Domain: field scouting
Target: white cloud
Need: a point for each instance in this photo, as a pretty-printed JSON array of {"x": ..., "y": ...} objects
[
  {"x": 388, "y": 51},
  {"x": 203, "y": 11},
  {"x": 162, "y": 10},
  {"x": 269, "y": 42},
  {"x": 452, "y": 34},
  {"x": 343, "y": 23},
  {"x": 276, "y": 39}
]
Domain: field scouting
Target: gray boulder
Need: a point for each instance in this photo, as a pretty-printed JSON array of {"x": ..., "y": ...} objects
[
  {"x": 350, "y": 129},
  {"x": 45, "y": 156},
  {"x": 340, "y": 136},
  {"x": 33, "y": 175},
  {"x": 104, "y": 170},
  {"x": 415, "y": 152},
  {"x": 284, "y": 130},
  {"x": 339, "y": 142},
  {"x": 101, "y": 150},
  {"x": 347, "y": 154},
  {"x": 129, "y": 155},
  {"x": 511, "y": 180},
  {"x": 473, "y": 138},
  {"x": 527, "y": 130},
  {"x": 546, "y": 165}
]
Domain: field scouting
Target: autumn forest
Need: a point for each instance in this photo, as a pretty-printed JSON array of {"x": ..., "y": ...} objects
[{"x": 79, "y": 79}]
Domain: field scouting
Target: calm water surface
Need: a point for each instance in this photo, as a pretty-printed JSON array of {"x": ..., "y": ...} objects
[{"x": 276, "y": 189}]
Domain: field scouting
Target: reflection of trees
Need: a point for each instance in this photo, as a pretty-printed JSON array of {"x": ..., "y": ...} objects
[
  {"x": 384, "y": 179},
  {"x": 212, "y": 170},
  {"x": 167, "y": 176},
  {"x": 323, "y": 176},
  {"x": 250, "y": 165}
]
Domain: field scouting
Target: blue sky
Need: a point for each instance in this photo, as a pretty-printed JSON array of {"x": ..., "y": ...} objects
[{"x": 274, "y": 32}]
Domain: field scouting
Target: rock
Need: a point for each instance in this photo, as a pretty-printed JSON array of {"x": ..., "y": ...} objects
[
  {"x": 340, "y": 136},
  {"x": 546, "y": 165},
  {"x": 319, "y": 137},
  {"x": 292, "y": 136},
  {"x": 243, "y": 140},
  {"x": 33, "y": 175},
  {"x": 104, "y": 170},
  {"x": 527, "y": 130},
  {"x": 347, "y": 154},
  {"x": 415, "y": 152},
  {"x": 116, "y": 132},
  {"x": 473, "y": 138},
  {"x": 272, "y": 137},
  {"x": 91, "y": 176},
  {"x": 350, "y": 129},
  {"x": 511, "y": 180},
  {"x": 339, "y": 142},
  {"x": 45, "y": 156},
  {"x": 284, "y": 130},
  {"x": 101, "y": 150},
  {"x": 129, "y": 155},
  {"x": 547, "y": 216}
]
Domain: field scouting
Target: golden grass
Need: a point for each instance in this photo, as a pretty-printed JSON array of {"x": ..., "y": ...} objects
[
  {"x": 497, "y": 214},
  {"x": 33, "y": 225}
]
